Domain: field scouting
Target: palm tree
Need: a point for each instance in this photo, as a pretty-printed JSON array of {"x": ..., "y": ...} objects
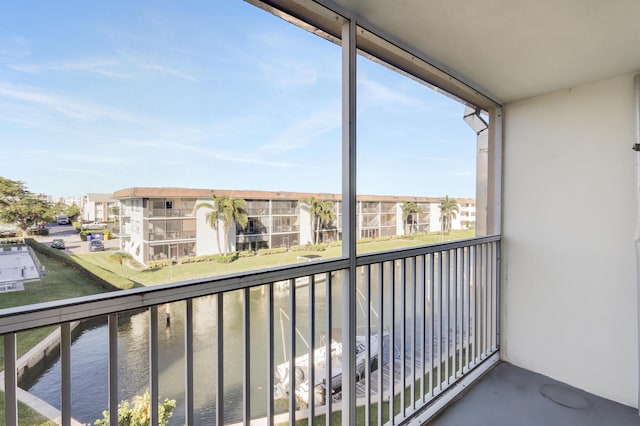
[
  {"x": 448, "y": 210},
  {"x": 120, "y": 257},
  {"x": 314, "y": 206},
  {"x": 227, "y": 210},
  {"x": 320, "y": 213},
  {"x": 325, "y": 215},
  {"x": 408, "y": 210}
]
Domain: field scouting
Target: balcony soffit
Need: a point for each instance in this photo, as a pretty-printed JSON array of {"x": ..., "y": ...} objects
[{"x": 511, "y": 49}]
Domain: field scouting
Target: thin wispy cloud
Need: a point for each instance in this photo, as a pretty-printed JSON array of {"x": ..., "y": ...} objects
[
  {"x": 287, "y": 73},
  {"x": 304, "y": 131},
  {"x": 372, "y": 93},
  {"x": 77, "y": 158},
  {"x": 101, "y": 66},
  {"x": 161, "y": 69},
  {"x": 237, "y": 157},
  {"x": 107, "y": 67},
  {"x": 67, "y": 106},
  {"x": 13, "y": 48}
]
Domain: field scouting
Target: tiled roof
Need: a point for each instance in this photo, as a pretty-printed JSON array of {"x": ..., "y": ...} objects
[{"x": 265, "y": 195}]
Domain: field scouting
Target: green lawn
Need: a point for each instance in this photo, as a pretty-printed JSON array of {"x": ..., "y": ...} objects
[
  {"x": 61, "y": 282},
  {"x": 26, "y": 415},
  {"x": 189, "y": 271}
]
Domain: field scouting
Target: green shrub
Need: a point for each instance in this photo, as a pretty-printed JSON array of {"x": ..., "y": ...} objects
[
  {"x": 272, "y": 250},
  {"x": 246, "y": 253},
  {"x": 155, "y": 264},
  {"x": 226, "y": 258},
  {"x": 76, "y": 225},
  {"x": 138, "y": 413},
  {"x": 365, "y": 240}
]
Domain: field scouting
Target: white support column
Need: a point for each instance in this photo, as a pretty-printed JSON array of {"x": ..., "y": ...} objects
[
  {"x": 349, "y": 221},
  {"x": 494, "y": 172}
]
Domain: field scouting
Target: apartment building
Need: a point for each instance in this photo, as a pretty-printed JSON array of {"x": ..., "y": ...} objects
[
  {"x": 165, "y": 223},
  {"x": 98, "y": 208}
]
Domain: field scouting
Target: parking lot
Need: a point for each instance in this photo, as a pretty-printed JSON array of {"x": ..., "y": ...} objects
[{"x": 72, "y": 242}]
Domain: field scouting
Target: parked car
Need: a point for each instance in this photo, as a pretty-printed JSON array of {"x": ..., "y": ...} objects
[
  {"x": 37, "y": 230},
  {"x": 57, "y": 243},
  {"x": 96, "y": 245}
]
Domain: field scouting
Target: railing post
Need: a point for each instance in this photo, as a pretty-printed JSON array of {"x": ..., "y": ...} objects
[
  {"x": 113, "y": 370},
  {"x": 153, "y": 366},
  {"x": 188, "y": 364},
  {"x": 349, "y": 221},
  {"x": 10, "y": 380},
  {"x": 65, "y": 372}
]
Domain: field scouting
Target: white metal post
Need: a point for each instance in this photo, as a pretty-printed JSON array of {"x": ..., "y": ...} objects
[
  {"x": 349, "y": 221},
  {"x": 10, "y": 380}
]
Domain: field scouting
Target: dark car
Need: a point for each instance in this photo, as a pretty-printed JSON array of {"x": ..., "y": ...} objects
[
  {"x": 57, "y": 243},
  {"x": 96, "y": 245}
]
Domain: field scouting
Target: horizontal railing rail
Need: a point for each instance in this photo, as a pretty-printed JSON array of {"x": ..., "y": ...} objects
[{"x": 426, "y": 317}]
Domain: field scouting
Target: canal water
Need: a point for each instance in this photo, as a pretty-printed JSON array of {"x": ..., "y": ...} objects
[
  {"x": 89, "y": 354},
  {"x": 89, "y": 363}
]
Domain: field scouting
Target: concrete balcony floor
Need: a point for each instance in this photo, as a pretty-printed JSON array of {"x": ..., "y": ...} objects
[{"x": 512, "y": 396}]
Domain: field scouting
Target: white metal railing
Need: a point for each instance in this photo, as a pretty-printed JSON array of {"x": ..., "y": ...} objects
[{"x": 426, "y": 317}]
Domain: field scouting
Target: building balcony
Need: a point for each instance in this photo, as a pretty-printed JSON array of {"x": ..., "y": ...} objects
[
  {"x": 162, "y": 213},
  {"x": 285, "y": 228},
  {"x": 176, "y": 235}
]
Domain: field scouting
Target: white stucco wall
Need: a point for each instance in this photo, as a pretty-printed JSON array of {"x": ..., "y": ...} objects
[
  {"x": 206, "y": 241},
  {"x": 569, "y": 281}
]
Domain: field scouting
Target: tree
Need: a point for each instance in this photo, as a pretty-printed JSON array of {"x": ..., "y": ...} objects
[
  {"x": 19, "y": 206},
  {"x": 320, "y": 213},
  {"x": 314, "y": 205},
  {"x": 448, "y": 210},
  {"x": 11, "y": 190},
  {"x": 73, "y": 211},
  {"x": 325, "y": 215},
  {"x": 408, "y": 210},
  {"x": 227, "y": 210},
  {"x": 120, "y": 257}
]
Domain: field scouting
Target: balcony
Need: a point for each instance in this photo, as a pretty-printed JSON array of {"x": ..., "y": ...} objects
[
  {"x": 285, "y": 228},
  {"x": 172, "y": 235},
  {"x": 421, "y": 323},
  {"x": 156, "y": 213}
]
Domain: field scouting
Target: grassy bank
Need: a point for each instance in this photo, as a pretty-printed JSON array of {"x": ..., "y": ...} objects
[
  {"x": 60, "y": 283},
  {"x": 191, "y": 271},
  {"x": 26, "y": 415}
]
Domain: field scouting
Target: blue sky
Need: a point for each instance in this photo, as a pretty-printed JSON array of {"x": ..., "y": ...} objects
[{"x": 101, "y": 96}]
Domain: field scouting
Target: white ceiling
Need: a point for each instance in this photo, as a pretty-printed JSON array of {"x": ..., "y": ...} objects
[{"x": 513, "y": 49}]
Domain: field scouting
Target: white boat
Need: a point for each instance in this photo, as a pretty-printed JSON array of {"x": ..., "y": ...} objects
[
  {"x": 281, "y": 388},
  {"x": 301, "y": 281},
  {"x": 284, "y": 284}
]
